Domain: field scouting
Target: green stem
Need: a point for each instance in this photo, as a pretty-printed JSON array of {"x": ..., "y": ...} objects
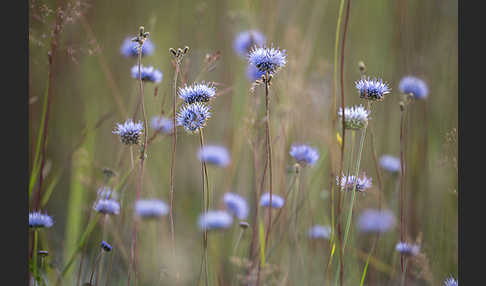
[
  {"x": 34, "y": 258},
  {"x": 367, "y": 262},
  {"x": 204, "y": 174}
]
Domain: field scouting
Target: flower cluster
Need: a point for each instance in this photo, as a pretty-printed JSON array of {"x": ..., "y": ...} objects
[
  {"x": 193, "y": 116},
  {"x": 407, "y": 249},
  {"x": 376, "y": 221},
  {"x": 39, "y": 220},
  {"x": 450, "y": 282},
  {"x": 267, "y": 60},
  {"x": 162, "y": 124},
  {"x": 355, "y": 117},
  {"x": 216, "y": 155},
  {"x": 106, "y": 246},
  {"x": 277, "y": 201},
  {"x": 247, "y": 39},
  {"x": 107, "y": 206},
  {"x": 130, "y": 132},
  {"x": 415, "y": 86},
  {"x": 390, "y": 163},
  {"x": 151, "y": 208},
  {"x": 319, "y": 231},
  {"x": 197, "y": 92},
  {"x": 149, "y": 74},
  {"x": 373, "y": 90},
  {"x": 129, "y": 48},
  {"x": 304, "y": 154},
  {"x": 347, "y": 183},
  {"x": 213, "y": 220},
  {"x": 236, "y": 205}
]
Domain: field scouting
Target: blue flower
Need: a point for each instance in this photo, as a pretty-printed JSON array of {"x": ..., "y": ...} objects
[
  {"x": 107, "y": 206},
  {"x": 215, "y": 220},
  {"x": 414, "y": 85},
  {"x": 162, "y": 124},
  {"x": 277, "y": 201},
  {"x": 151, "y": 208},
  {"x": 106, "y": 246},
  {"x": 193, "y": 116},
  {"x": 347, "y": 183},
  {"x": 450, "y": 282},
  {"x": 407, "y": 248},
  {"x": 38, "y": 220},
  {"x": 304, "y": 154},
  {"x": 253, "y": 74},
  {"x": 129, "y": 48},
  {"x": 356, "y": 117},
  {"x": 376, "y": 221},
  {"x": 247, "y": 39},
  {"x": 374, "y": 90},
  {"x": 130, "y": 132},
  {"x": 236, "y": 204},
  {"x": 149, "y": 74},
  {"x": 216, "y": 155},
  {"x": 390, "y": 163},
  {"x": 198, "y": 92},
  {"x": 319, "y": 231},
  {"x": 267, "y": 60}
]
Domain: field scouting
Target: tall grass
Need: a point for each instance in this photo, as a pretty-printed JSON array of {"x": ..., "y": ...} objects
[{"x": 84, "y": 88}]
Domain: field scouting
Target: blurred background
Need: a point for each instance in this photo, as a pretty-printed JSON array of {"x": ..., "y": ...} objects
[{"x": 92, "y": 90}]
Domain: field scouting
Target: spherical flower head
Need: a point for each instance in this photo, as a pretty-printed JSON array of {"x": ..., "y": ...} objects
[
  {"x": 373, "y": 90},
  {"x": 162, "y": 124},
  {"x": 215, "y": 155},
  {"x": 355, "y": 117},
  {"x": 147, "y": 209},
  {"x": 197, "y": 92},
  {"x": 376, "y": 221},
  {"x": 213, "y": 220},
  {"x": 450, "y": 282},
  {"x": 107, "y": 206},
  {"x": 267, "y": 60},
  {"x": 347, "y": 183},
  {"x": 390, "y": 163},
  {"x": 304, "y": 154},
  {"x": 149, "y": 74},
  {"x": 39, "y": 220},
  {"x": 253, "y": 74},
  {"x": 106, "y": 246},
  {"x": 247, "y": 39},
  {"x": 407, "y": 248},
  {"x": 129, "y": 132},
  {"x": 415, "y": 86},
  {"x": 236, "y": 205},
  {"x": 277, "y": 201},
  {"x": 193, "y": 116},
  {"x": 129, "y": 48},
  {"x": 319, "y": 231}
]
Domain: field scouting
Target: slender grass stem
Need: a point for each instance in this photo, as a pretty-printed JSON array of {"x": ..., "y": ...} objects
[
  {"x": 404, "y": 274},
  {"x": 97, "y": 261},
  {"x": 367, "y": 261},
  {"x": 172, "y": 161},
  {"x": 204, "y": 175},
  {"x": 269, "y": 153},
  {"x": 402, "y": 179},
  {"x": 34, "y": 259}
]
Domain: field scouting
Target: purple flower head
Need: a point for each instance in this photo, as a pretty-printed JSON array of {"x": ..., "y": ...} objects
[
  {"x": 149, "y": 74},
  {"x": 129, "y": 48},
  {"x": 247, "y": 39},
  {"x": 373, "y": 90},
  {"x": 237, "y": 205},
  {"x": 277, "y": 201},
  {"x": 304, "y": 154},
  {"x": 40, "y": 220},
  {"x": 375, "y": 221},
  {"x": 414, "y": 85},
  {"x": 215, "y": 155},
  {"x": 213, "y": 220},
  {"x": 147, "y": 209}
]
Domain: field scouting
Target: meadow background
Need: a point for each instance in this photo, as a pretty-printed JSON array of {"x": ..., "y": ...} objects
[{"x": 92, "y": 90}]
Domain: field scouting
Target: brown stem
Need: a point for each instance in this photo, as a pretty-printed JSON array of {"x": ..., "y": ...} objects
[
  {"x": 269, "y": 155},
  {"x": 402, "y": 180},
  {"x": 172, "y": 161}
]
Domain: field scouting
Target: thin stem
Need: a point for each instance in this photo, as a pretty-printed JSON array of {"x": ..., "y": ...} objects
[
  {"x": 402, "y": 180},
  {"x": 34, "y": 259},
  {"x": 269, "y": 153},
  {"x": 204, "y": 176},
  {"x": 367, "y": 261},
  {"x": 404, "y": 274},
  {"x": 172, "y": 162},
  {"x": 98, "y": 258}
]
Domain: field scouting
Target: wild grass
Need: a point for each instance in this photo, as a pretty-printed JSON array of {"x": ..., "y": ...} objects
[{"x": 80, "y": 87}]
